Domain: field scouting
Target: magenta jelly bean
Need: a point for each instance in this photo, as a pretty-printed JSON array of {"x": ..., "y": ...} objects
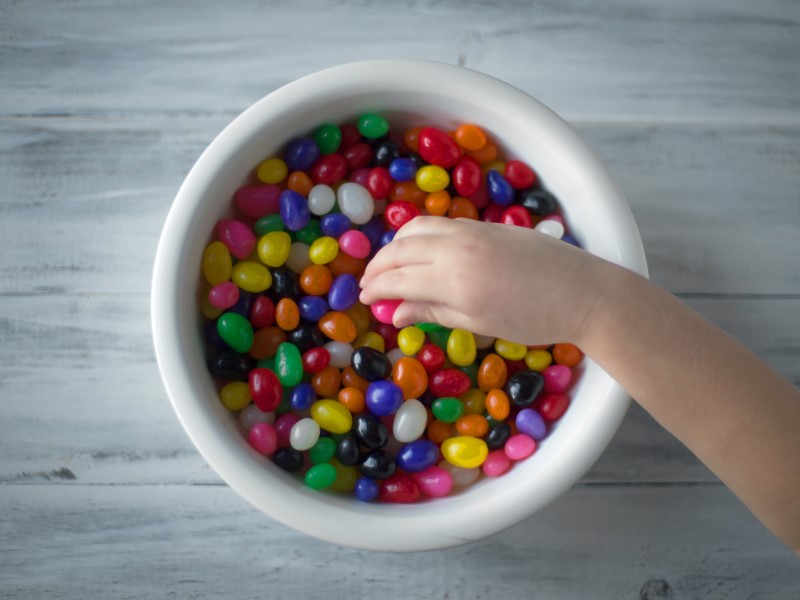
[
  {"x": 383, "y": 310},
  {"x": 237, "y": 236},
  {"x": 434, "y": 482},
  {"x": 519, "y": 446},
  {"x": 557, "y": 378},
  {"x": 496, "y": 463},
  {"x": 354, "y": 243},
  {"x": 263, "y": 437},
  {"x": 258, "y": 200},
  {"x": 224, "y": 295},
  {"x": 283, "y": 428}
]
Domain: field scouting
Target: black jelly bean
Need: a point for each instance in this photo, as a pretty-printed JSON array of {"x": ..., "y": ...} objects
[
  {"x": 369, "y": 431},
  {"x": 288, "y": 459},
  {"x": 418, "y": 161},
  {"x": 377, "y": 465},
  {"x": 212, "y": 335},
  {"x": 537, "y": 201},
  {"x": 524, "y": 387},
  {"x": 230, "y": 365},
  {"x": 347, "y": 451},
  {"x": 285, "y": 284},
  {"x": 370, "y": 364},
  {"x": 305, "y": 336},
  {"x": 244, "y": 304},
  {"x": 498, "y": 436},
  {"x": 385, "y": 152}
]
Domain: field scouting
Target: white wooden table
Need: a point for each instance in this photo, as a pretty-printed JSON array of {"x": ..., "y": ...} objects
[{"x": 104, "y": 106}]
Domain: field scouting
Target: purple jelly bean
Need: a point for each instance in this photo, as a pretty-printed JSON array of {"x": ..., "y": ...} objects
[
  {"x": 417, "y": 456},
  {"x": 388, "y": 237},
  {"x": 531, "y": 423},
  {"x": 343, "y": 292},
  {"x": 301, "y": 154},
  {"x": 499, "y": 189},
  {"x": 374, "y": 229},
  {"x": 383, "y": 398},
  {"x": 313, "y": 308},
  {"x": 334, "y": 224},
  {"x": 294, "y": 210}
]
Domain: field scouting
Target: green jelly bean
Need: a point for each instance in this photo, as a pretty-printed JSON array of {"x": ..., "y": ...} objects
[
  {"x": 320, "y": 476},
  {"x": 426, "y": 327},
  {"x": 372, "y": 126},
  {"x": 322, "y": 451},
  {"x": 268, "y": 224},
  {"x": 236, "y": 331},
  {"x": 440, "y": 337},
  {"x": 447, "y": 409},
  {"x": 266, "y": 363},
  {"x": 288, "y": 364},
  {"x": 472, "y": 373},
  {"x": 309, "y": 233},
  {"x": 328, "y": 138}
]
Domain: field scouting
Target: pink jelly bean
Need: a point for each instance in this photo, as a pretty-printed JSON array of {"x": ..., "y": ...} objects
[
  {"x": 224, "y": 295},
  {"x": 556, "y": 378},
  {"x": 237, "y": 236},
  {"x": 258, "y": 200},
  {"x": 434, "y": 482},
  {"x": 283, "y": 427},
  {"x": 383, "y": 310},
  {"x": 354, "y": 243},
  {"x": 519, "y": 446},
  {"x": 496, "y": 463},
  {"x": 263, "y": 437}
]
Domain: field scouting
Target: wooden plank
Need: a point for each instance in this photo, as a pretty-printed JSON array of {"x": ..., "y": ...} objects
[
  {"x": 84, "y": 200},
  {"x": 206, "y": 542},
  {"x": 84, "y": 402},
  {"x": 685, "y": 60}
]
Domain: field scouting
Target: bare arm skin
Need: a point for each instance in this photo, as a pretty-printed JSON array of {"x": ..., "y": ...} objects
[{"x": 739, "y": 416}]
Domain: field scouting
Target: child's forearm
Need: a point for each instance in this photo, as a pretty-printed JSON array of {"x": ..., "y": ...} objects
[{"x": 734, "y": 412}]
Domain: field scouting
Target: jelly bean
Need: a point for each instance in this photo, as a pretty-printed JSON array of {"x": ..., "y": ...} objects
[
  {"x": 355, "y": 202},
  {"x": 385, "y": 152},
  {"x": 485, "y": 155},
  {"x": 570, "y": 240},
  {"x": 467, "y": 177},
  {"x": 266, "y": 341},
  {"x": 410, "y": 376},
  {"x": 344, "y": 292},
  {"x": 347, "y": 264},
  {"x": 359, "y": 176},
  {"x": 430, "y": 356},
  {"x": 320, "y": 476},
  {"x": 372, "y": 126},
  {"x": 417, "y": 456},
  {"x": 492, "y": 373},
  {"x": 273, "y": 248},
  {"x": 557, "y": 378},
  {"x": 348, "y": 451},
  {"x": 474, "y": 425},
  {"x": 353, "y": 399},
  {"x": 301, "y": 154},
  {"x": 334, "y": 225},
  {"x": 236, "y": 331},
  {"x": 315, "y": 359},
  {"x": 510, "y": 350},
  {"x": 300, "y": 182},
  {"x": 461, "y": 208},
  {"x": 438, "y": 431},
  {"x": 265, "y": 389},
  {"x": 327, "y": 381},
  {"x": 340, "y": 352},
  {"x": 269, "y": 223},
  {"x": 447, "y": 409},
  {"x": 328, "y": 137},
  {"x": 283, "y": 427},
  {"x": 304, "y": 434},
  {"x": 379, "y": 183},
  {"x": 373, "y": 229},
  {"x": 495, "y": 165},
  {"x": 263, "y": 438},
  {"x": 434, "y": 482},
  {"x": 288, "y": 363},
  {"x": 316, "y": 280},
  {"x": 358, "y": 156},
  {"x": 244, "y": 304},
  {"x": 302, "y": 397},
  {"x": 538, "y": 360},
  {"x": 323, "y": 451},
  {"x": 366, "y": 489},
  {"x": 378, "y": 464},
  {"x": 461, "y": 349},
  {"x": 258, "y": 201},
  {"x": 498, "y": 404},
  {"x": 448, "y": 382},
  {"x": 438, "y": 203},
  {"x": 321, "y": 199},
  {"x": 551, "y": 228},
  {"x": 411, "y": 138},
  {"x": 470, "y": 137},
  {"x": 516, "y": 215},
  {"x": 346, "y": 477},
  {"x": 312, "y": 308},
  {"x": 332, "y": 416},
  {"x": 329, "y": 169},
  {"x": 323, "y": 250},
  {"x": 350, "y": 136},
  {"x": 524, "y": 387},
  {"x": 474, "y": 401},
  {"x": 519, "y": 447},
  {"x": 498, "y": 436},
  {"x": 372, "y": 340},
  {"x": 235, "y": 395},
  {"x": 224, "y": 295},
  {"x": 500, "y": 191},
  {"x": 537, "y": 201},
  {"x": 431, "y": 178},
  {"x": 383, "y": 398},
  {"x": 383, "y": 310},
  {"x": 389, "y": 334},
  {"x": 237, "y": 236},
  {"x": 209, "y": 310},
  {"x": 410, "y": 339},
  {"x": 437, "y": 148},
  {"x": 552, "y": 406},
  {"x": 287, "y": 314},
  {"x": 394, "y": 355},
  {"x": 262, "y": 312},
  {"x": 288, "y": 459},
  {"x": 402, "y": 169},
  {"x": 294, "y": 210},
  {"x": 519, "y": 175},
  {"x": 531, "y": 423},
  {"x": 338, "y": 326},
  {"x": 461, "y": 477},
  {"x": 410, "y": 421},
  {"x": 272, "y": 170},
  {"x": 465, "y": 451},
  {"x": 471, "y": 370},
  {"x": 230, "y": 365},
  {"x": 354, "y": 243},
  {"x": 371, "y": 365},
  {"x": 251, "y": 276},
  {"x": 407, "y": 190},
  {"x": 568, "y": 355},
  {"x": 212, "y": 335},
  {"x": 399, "y": 213},
  {"x": 496, "y": 463},
  {"x": 400, "y": 488},
  {"x": 251, "y": 415}
]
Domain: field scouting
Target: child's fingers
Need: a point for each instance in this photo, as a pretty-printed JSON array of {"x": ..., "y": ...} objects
[
  {"x": 411, "y": 282},
  {"x": 418, "y": 312},
  {"x": 399, "y": 253},
  {"x": 425, "y": 225}
]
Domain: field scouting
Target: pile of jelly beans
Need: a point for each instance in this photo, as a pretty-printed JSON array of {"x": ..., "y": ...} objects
[{"x": 327, "y": 387}]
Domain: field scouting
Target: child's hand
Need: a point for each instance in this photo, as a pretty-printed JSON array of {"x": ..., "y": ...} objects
[{"x": 491, "y": 279}]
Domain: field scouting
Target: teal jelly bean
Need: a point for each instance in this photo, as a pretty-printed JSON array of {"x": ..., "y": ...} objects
[
  {"x": 236, "y": 331},
  {"x": 472, "y": 373},
  {"x": 320, "y": 476},
  {"x": 372, "y": 126},
  {"x": 288, "y": 364},
  {"x": 440, "y": 337},
  {"x": 447, "y": 409},
  {"x": 426, "y": 327},
  {"x": 322, "y": 451},
  {"x": 328, "y": 138},
  {"x": 269, "y": 223},
  {"x": 309, "y": 233}
]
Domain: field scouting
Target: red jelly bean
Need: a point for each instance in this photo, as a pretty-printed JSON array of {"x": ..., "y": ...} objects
[
  {"x": 258, "y": 200},
  {"x": 515, "y": 366},
  {"x": 315, "y": 359},
  {"x": 449, "y": 382},
  {"x": 265, "y": 389},
  {"x": 262, "y": 313},
  {"x": 379, "y": 183},
  {"x": 399, "y": 488},
  {"x": 519, "y": 175},
  {"x": 517, "y": 215},
  {"x": 438, "y": 148},
  {"x": 329, "y": 169},
  {"x": 359, "y": 176},
  {"x": 350, "y": 136},
  {"x": 432, "y": 357},
  {"x": 358, "y": 156},
  {"x": 553, "y": 406},
  {"x": 401, "y": 212},
  {"x": 389, "y": 334},
  {"x": 493, "y": 213},
  {"x": 467, "y": 176}
]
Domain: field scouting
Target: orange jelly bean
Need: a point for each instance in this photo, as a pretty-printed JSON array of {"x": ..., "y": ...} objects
[
  {"x": 462, "y": 208},
  {"x": 438, "y": 431},
  {"x": 474, "y": 401},
  {"x": 408, "y": 190},
  {"x": 492, "y": 373},
  {"x": 301, "y": 183},
  {"x": 486, "y": 154},
  {"x": 338, "y": 326},
  {"x": 351, "y": 379},
  {"x": 316, "y": 280},
  {"x": 568, "y": 355},
  {"x": 344, "y": 263},
  {"x": 411, "y": 138},
  {"x": 470, "y": 137},
  {"x": 353, "y": 398},
  {"x": 474, "y": 425},
  {"x": 410, "y": 376},
  {"x": 498, "y": 405},
  {"x": 438, "y": 203},
  {"x": 360, "y": 315},
  {"x": 266, "y": 341},
  {"x": 327, "y": 382},
  {"x": 287, "y": 314}
]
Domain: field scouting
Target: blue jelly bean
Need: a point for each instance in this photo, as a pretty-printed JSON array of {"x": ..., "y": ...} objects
[
  {"x": 388, "y": 237},
  {"x": 570, "y": 240},
  {"x": 402, "y": 169},
  {"x": 301, "y": 154},
  {"x": 417, "y": 456},
  {"x": 366, "y": 489},
  {"x": 334, "y": 224},
  {"x": 499, "y": 189},
  {"x": 243, "y": 304},
  {"x": 303, "y": 396},
  {"x": 212, "y": 335},
  {"x": 313, "y": 308},
  {"x": 344, "y": 292},
  {"x": 294, "y": 210},
  {"x": 374, "y": 229},
  {"x": 531, "y": 423},
  {"x": 383, "y": 398}
]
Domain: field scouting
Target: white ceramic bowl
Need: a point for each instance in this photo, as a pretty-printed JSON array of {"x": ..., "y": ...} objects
[{"x": 407, "y": 92}]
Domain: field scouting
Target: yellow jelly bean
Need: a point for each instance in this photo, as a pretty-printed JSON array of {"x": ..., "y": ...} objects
[
  {"x": 371, "y": 339},
  {"x": 251, "y": 277},
  {"x": 474, "y": 401},
  {"x": 431, "y": 178},
  {"x": 209, "y": 310},
  {"x": 346, "y": 477},
  {"x": 217, "y": 263},
  {"x": 510, "y": 350},
  {"x": 332, "y": 415},
  {"x": 538, "y": 360},
  {"x": 273, "y": 248},
  {"x": 323, "y": 250},
  {"x": 461, "y": 348},
  {"x": 235, "y": 395},
  {"x": 272, "y": 170},
  {"x": 410, "y": 339},
  {"x": 465, "y": 451}
]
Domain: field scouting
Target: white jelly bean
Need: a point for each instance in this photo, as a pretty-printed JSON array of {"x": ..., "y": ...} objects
[
  {"x": 355, "y": 202},
  {"x": 410, "y": 421},
  {"x": 461, "y": 476},
  {"x": 304, "y": 434},
  {"x": 251, "y": 415},
  {"x": 341, "y": 354},
  {"x": 551, "y": 228},
  {"x": 483, "y": 341},
  {"x": 321, "y": 199},
  {"x": 299, "y": 257},
  {"x": 395, "y": 354}
]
